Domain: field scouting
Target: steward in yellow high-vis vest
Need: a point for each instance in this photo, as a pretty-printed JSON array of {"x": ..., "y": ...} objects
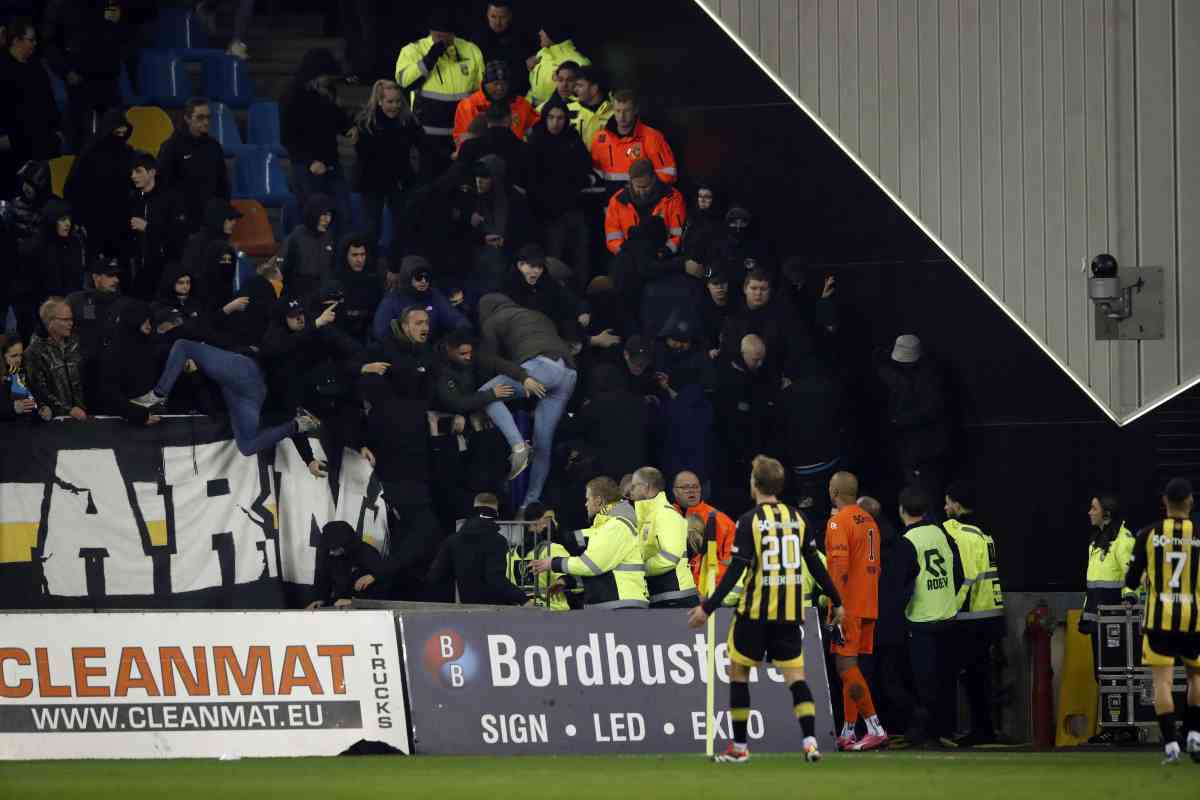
[
  {"x": 553, "y": 53},
  {"x": 438, "y": 71},
  {"x": 1109, "y": 554},
  {"x": 664, "y": 543},
  {"x": 611, "y": 567}
]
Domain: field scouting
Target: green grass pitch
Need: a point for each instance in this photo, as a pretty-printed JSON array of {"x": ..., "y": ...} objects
[{"x": 959, "y": 776}]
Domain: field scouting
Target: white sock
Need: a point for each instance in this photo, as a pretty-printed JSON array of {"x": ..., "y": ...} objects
[
  {"x": 873, "y": 726},
  {"x": 848, "y": 730},
  {"x": 739, "y": 747},
  {"x": 810, "y": 741},
  {"x": 1172, "y": 748},
  {"x": 1193, "y": 741}
]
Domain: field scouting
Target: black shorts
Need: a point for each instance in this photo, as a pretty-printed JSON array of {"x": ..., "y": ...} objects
[
  {"x": 752, "y": 642},
  {"x": 1161, "y": 649}
]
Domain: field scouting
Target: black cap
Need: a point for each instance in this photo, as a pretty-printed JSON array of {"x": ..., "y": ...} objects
[
  {"x": 495, "y": 71},
  {"x": 532, "y": 254},
  {"x": 716, "y": 275},
  {"x": 106, "y": 266},
  {"x": 638, "y": 350},
  {"x": 294, "y": 309}
]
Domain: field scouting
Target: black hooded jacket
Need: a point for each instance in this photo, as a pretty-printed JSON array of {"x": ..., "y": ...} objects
[
  {"x": 78, "y": 38},
  {"x": 561, "y": 167},
  {"x": 336, "y": 574},
  {"x": 362, "y": 290},
  {"x": 194, "y": 167},
  {"x": 99, "y": 178},
  {"x": 613, "y": 425},
  {"x": 293, "y": 362},
  {"x": 396, "y": 430},
  {"x": 308, "y": 253},
  {"x": 63, "y": 260},
  {"x": 310, "y": 120},
  {"x": 196, "y": 252},
  {"x": 682, "y": 367},
  {"x": 703, "y": 228},
  {"x": 476, "y": 559},
  {"x": 500, "y": 141},
  {"x": 213, "y": 273},
  {"x": 772, "y": 322},
  {"x": 130, "y": 366},
  {"x": 165, "y": 233}
]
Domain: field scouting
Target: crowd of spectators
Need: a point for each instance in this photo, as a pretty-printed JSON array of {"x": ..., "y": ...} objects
[{"x": 560, "y": 302}]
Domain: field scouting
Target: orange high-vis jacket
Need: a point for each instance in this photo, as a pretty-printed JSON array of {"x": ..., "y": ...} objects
[
  {"x": 622, "y": 215},
  {"x": 524, "y": 116},
  {"x": 726, "y": 529},
  {"x": 612, "y": 153}
]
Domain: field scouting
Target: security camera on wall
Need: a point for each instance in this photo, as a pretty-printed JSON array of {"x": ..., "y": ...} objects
[{"x": 1128, "y": 304}]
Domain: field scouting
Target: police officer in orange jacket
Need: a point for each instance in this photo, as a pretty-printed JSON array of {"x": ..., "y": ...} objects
[
  {"x": 626, "y": 139},
  {"x": 645, "y": 195}
]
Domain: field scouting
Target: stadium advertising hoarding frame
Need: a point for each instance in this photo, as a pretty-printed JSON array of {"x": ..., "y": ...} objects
[
  {"x": 585, "y": 682},
  {"x": 195, "y": 685}
]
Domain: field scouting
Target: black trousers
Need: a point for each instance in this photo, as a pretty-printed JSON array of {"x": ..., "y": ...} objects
[
  {"x": 891, "y": 679},
  {"x": 974, "y": 652},
  {"x": 931, "y": 653},
  {"x": 414, "y": 539}
]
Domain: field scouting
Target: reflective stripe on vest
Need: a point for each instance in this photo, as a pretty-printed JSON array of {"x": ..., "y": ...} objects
[
  {"x": 630, "y": 568},
  {"x": 990, "y": 613},
  {"x": 445, "y": 97},
  {"x": 674, "y": 595},
  {"x": 1105, "y": 584},
  {"x": 621, "y": 604},
  {"x": 933, "y": 598}
]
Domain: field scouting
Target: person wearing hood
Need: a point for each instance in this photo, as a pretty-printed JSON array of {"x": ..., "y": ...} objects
[
  {"x": 625, "y": 139},
  {"x": 918, "y": 417},
  {"x": 494, "y": 220},
  {"x": 715, "y": 308},
  {"x": 99, "y": 177},
  {"x": 61, "y": 250},
  {"x": 557, "y": 48},
  {"x": 249, "y": 315},
  {"x": 25, "y": 210},
  {"x": 705, "y": 223},
  {"x": 528, "y": 284},
  {"x": 360, "y": 283},
  {"x": 347, "y": 567},
  {"x": 475, "y": 559},
  {"x": 180, "y": 292},
  {"x": 311, "y": 121},
  {"x": 495, "y": 89},
  {"x": 498, "y": 139},
  {"x": 644, "y": 196},
  {"x": 219, "y": 220},
  {"x": 414, "y": 287},
  {"x": 609, "y": 323},
  {"x": 439, "y": 70},
  {"x": 193, "y": 163},
  {"x": 129, "y": 366},
  {"x": 529, "y": 338},
  {"x": 157, "y": 227},
  {"x": 85, "y": 43},
  {"x": 30, "y": 122},
  {"x": 561, "y": 168},
  {"x": 679, "y": 359},
  {"x": 308, "y": 253},
  {"x": 389, "y": 160},
  {"x": 23, "y": 231},
  {"x": 97, "y": 312},
  {"x": 741, "y": 241}
]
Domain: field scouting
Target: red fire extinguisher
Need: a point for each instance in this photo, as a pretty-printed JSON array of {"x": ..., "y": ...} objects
[{"x": 1039, "y": 627}]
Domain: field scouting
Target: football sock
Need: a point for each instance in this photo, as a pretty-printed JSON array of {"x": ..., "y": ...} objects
[
  {"x": 739, "y": 710},
  {"x": 1166, "y": 726},
  {"x": 848, "y": 730},
  {"x": 804, "y": 707},
  {"x": 874, "y": 727},
  {"x": 849, "y": 707},
  {"x": 854, "y": 686}
]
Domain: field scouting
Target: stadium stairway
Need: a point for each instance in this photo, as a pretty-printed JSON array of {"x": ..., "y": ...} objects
[{"x": 277, "y": 43}]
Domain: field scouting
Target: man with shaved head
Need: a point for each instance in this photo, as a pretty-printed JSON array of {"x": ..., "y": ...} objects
[
  {"x": 852, "y": 545},
  {"x": 743, "y": 395}
]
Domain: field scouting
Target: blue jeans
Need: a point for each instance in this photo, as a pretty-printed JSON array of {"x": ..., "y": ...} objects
[
  {"x": 241, "y": 385},
  {"x": 559, "y": 380}
]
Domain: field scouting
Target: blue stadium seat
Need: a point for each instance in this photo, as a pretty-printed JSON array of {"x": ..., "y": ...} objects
[
  {"x": 181, "y": 30},
  {"x": 264, "y": 128},
  {"x": 244, "y": 272},
  {"x": 257, "y": 175},
  {"x": 125, "y": 86},
  {"x": 227, "y": 80},
  {"x": 225, "y": 130},
  {"x": 162, "y": 79}
]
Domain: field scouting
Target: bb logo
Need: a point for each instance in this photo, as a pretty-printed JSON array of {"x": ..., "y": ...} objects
[{"x": 449, "y": 660}]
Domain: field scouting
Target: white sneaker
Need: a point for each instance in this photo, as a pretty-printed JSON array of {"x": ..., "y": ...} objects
[
  {"x": 306, "y": 421},
  {"x": 149, "y": 400},
  {"x": 519, "y": 460},
  {"x": 238, "y": 49}
]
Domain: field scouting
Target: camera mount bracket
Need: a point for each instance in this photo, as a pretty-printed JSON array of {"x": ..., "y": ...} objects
[{"x": 1142, "y": 295}]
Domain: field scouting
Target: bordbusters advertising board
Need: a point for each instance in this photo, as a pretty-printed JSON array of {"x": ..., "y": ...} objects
[
  {"x": 588, "y": 682},
  {"x": 184, "y": 685}
]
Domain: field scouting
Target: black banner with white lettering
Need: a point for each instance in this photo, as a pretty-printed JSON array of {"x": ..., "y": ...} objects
[
  {"x": 587, "y": 682},
  {"x": 108, "y": 515}
]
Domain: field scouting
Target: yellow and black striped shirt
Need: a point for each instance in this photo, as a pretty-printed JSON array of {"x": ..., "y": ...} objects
[
  {"x": 772, "y": 538},
  {"x": 1168, "y": 552}
]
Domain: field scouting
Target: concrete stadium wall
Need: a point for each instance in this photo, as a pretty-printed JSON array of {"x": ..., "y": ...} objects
[{"x": 1026, "y": 136}]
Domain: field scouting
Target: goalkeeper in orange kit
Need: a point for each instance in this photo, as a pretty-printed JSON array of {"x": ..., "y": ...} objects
[{"x": 852, "y": 547}]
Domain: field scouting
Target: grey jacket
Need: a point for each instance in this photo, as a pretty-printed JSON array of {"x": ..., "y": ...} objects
[{"x": 519, "y": 333}]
